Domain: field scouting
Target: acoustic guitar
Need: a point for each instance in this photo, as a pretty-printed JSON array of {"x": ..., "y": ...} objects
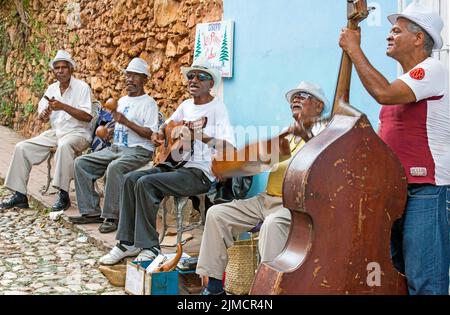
[{"x": 178, "y": 145}]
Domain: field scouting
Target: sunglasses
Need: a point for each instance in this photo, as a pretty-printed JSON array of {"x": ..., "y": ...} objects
[
  {"x": 202, "y": 76},
  {"x": 302, "y": 96}
]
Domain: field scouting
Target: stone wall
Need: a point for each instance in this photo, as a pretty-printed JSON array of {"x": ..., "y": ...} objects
[{"x": 103, "y": 36}]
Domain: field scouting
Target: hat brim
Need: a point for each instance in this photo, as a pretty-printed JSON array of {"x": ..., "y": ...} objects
[
  {"x": 215, "y": 74},
  {"x": 290, "y": 93},
  {"x": 436, "y": 37},
  {"x": 124, "y": 71},
  {"x": 63, "y": 59}
]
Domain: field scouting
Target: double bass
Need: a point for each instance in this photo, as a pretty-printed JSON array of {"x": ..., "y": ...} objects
[{"x": 344, "y": 189}]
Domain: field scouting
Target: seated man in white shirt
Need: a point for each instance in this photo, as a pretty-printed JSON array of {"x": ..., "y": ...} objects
[
  {"x": 143, "y": 191},
  {"x": 136, "y": 119},
  {"x": 67, "y": 105}
]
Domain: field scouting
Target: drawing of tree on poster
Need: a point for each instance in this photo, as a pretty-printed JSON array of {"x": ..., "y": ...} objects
[
  {"x": 198, "y": 47},
  {"x": 224, "y": 54}
]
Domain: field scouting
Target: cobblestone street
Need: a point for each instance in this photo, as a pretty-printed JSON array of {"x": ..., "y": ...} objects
[{"x": 40, "y": 256}]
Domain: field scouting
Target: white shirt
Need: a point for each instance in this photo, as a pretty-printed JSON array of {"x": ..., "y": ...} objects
[
  {"x": 419, "y": 132},
  {"x": 77, "y": 95},
  {"x": 218, "y": 126},
  {"x": 141, "y": 110}
]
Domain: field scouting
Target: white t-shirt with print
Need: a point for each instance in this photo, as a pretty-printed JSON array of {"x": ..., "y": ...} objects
[
  {"x": 218, "y": 126},
  {"x": 77, "y": 95},
  {"x": 141, "y": 110}
]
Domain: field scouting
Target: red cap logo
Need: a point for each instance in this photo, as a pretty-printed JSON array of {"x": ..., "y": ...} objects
[{"x": 417, "y": 74}]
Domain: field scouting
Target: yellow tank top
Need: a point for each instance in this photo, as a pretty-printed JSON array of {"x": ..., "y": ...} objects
[{"x": 275, "y": 181}]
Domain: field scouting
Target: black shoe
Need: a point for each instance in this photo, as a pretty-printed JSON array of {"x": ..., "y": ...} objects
[
  {"x": 17, "y": 200},
  {"x": 108, "y": 226},
  {"x": 85, "y": 219},
  {"x": 63, "y": 203},
  {"x": 205, "y": 291}
]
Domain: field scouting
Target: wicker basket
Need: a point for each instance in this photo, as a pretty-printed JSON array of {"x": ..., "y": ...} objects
[{"x": 241, "y": 267}]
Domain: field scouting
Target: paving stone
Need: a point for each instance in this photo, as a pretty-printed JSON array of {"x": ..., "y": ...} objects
[
  {"x": 16, "y": 293},
  {"x": 9, "y": 276},
  {"x": 94, "y": 286},
  {"x": 43, "y": 290},
  {"x": 5, "y": 283},
  {"x": 38, "y": 256},
  {"x": 37, "y": 285},
  {"x": 81, "y": 257},
  {"x": 62, "y": 290}
]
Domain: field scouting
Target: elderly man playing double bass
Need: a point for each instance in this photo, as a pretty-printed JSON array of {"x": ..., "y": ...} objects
[
  {"x": 308, "y": 103},
  {"x": 67, "y": 105},
  {"x": 415, "y": 124}
]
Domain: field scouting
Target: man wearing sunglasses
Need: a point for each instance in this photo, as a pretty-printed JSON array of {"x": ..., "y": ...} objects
[
  {"x": 143, "y": 191},
  {"x": 224, "y": 222}
]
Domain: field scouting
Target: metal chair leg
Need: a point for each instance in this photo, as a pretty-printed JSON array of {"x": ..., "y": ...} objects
[
  {"x": 180, "y": 203},
  {"x": 49, "y": 176},
  {"x": 164, "y": 219}
]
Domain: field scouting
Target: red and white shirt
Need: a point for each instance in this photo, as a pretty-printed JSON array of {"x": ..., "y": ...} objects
[{"x": 419, "y": 132}]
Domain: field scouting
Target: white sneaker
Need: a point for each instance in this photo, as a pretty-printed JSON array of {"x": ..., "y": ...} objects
[
  {"x": 147, "y": 254},
  {"x": 118, "y": 253}
]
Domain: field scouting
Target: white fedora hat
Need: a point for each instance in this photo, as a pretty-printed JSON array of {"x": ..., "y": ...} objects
[
  {"x": 138, "y": 65},
  {"x": 426, "y": 18},
  {"x": 312, "y": 89},
  {"x": 202, "y": 64},
  {"x": 62, "y": 55}
]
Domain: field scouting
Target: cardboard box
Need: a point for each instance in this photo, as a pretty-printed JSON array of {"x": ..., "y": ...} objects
[{"x": 139, "y": 282}]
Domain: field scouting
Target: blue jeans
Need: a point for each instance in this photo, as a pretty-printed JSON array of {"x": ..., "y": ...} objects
[{"x": 422, "y": 237}]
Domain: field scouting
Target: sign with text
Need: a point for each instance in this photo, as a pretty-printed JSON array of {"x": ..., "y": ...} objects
[{"x": 215, "y": 42}]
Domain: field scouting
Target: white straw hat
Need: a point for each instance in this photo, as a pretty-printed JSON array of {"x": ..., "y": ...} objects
[
  {"x": 426, "y": 18},
  {"x": 138, "y": 65},
  {"x": 62, "y": 55},
  {"x": 202, "y": 64},
  {"x": 312, "y": 89}
]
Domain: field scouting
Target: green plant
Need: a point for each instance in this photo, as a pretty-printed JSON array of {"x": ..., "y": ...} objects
[
  {"x": 6, "y": 108},
  {"x": 39, "y": 83},
  {"x": 29, "y": 108},
  {"x": 74, "y": 40}
]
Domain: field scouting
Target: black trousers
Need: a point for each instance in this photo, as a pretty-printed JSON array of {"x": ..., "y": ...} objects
[{"x": 142, "y": 193}]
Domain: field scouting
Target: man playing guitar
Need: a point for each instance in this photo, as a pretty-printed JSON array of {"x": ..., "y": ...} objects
[{"x": 143, "y": 190}]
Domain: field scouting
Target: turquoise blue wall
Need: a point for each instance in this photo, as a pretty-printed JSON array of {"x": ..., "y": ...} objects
[{"x": 279, "y": 43}]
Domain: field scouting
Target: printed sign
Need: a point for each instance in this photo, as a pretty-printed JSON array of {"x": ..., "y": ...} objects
[{"x": 215, "y": 42}]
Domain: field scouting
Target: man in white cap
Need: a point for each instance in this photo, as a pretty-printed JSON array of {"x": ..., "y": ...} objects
[
  {"x": 143, "y": 190},
  {"x": 67, "y": 105},
  {"x": 136, "y": 119},
  {"x": 415, "y": 124},
  {"x": 226, "y": 221}
]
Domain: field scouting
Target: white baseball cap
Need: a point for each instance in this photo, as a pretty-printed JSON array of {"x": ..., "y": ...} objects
[
  {"x": 138, "y": 65},
  {"x": 203, "y": 64},
  {"x": 62, "y": 55},
  {"x": 312, "y": 89},
  {"x": 426, "y": 18}
]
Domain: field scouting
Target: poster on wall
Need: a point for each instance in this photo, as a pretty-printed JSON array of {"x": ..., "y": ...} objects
[{"x": 214, "y": 41}]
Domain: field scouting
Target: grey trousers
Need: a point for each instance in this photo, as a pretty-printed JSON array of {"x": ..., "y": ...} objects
[
  {"x": 142, "y": 193},
  {"x": 114, "y": 163},
  {"x": 228, "y": 220},
  {"x": 35, "y": 150}
]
